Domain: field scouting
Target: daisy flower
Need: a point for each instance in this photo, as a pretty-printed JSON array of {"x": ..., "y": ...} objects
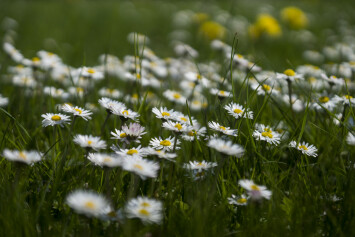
[
  {"x": 305, "y": 148},
  {"x": 54, "y": 119},
  {"x": 264, "y": 89},
  {"x": 163, "y": 113},
  {"x": 3, "y": 101},
  {"x": 24, "y": 80},
  {"x": 110, "y": 105},
  {"x": 134, "y": 152},
  {"x": 238, "y": 200},
  {"x": 333, "y": 80},
  {"x": 226, "y": 147},
  {"x": 142, "y": 167},
  {"x": 109, "y": 92},
  {"x": 220, "y": 93},
  {"x": 55, "y": 92},
  {"x": 131, "y": 133},
  {"x": 88, "y": 203},
  {"x": 164, "y": 144},
  {"x": 125, "y": 113},
  {"x": 174, "y": 96},
  {"x": 89, "y": 141},
  {"x": 190, "y": 135},
  {"x": 225, "y": 130},
  {"x": 91, "y": 73},
  {"x": 176, "y": 126},
  {"x": 180, "y": 117},
  {"x": 238, "y": 111},
  {"x": 264, "y": 133},
  {"x": 255, "y": 192},
  {"x": 28, "y": 157},
  {"x": 324, "y": 102},
  {"x": 350, "y": 139},
  {"x": 199, "y": 165},
  {"x": 77, "y": 111},
  {"x": 345, "y": 99},
  {"x": 102, "y": 159},
  {"x": 289, "y": 74},
  {"x": 161, "y": 154},
  {"x": 148, "y": 210},
  {"x": 199, "y": 169}
]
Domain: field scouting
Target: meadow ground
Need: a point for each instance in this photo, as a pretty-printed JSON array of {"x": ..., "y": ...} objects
[{"x": 219, "y": 118}]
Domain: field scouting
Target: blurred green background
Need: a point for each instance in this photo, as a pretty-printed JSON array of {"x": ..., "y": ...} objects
[{"x": 79, "y": 31}]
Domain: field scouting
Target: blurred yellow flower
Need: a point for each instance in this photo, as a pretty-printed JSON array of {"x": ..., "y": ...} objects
[
  {"x": 265, "y": 25},
  {"x": 212, "y": 30},
  {"x": 294, "y": 17},
  {"x": 201, "y": 17}
]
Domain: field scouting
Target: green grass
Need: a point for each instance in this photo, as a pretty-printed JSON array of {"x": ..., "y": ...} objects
[{"x": 33, "y": 197}]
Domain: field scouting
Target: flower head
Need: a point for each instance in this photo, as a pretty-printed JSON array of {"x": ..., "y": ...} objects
[
  {"x": 226, "y": 147},
  {"x": 77, "y": 111},
  {"x": 54, "y": 119},
  {"x": 238, "y": 111},
  {"x": 305, "y": 148},
  {"x": 148, "y": 210},
  {"x": 28, "y": 157},
  {"x": 142, "y": 167},
  {"x": 88, "y": 203},
  {"x": 102, "y": 159},
  {"x": 89, "y": 141},
  {"x": 256, "y": 192},
  {"x": 166, "y": 144}
]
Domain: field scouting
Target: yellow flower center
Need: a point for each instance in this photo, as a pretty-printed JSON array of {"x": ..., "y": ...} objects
[
  {"x": 303, "y": 147},
  {"x": 144, "y": 212},
  {"x": 267, "y": 134},
  {"x": 267, "y": 129},
  {"x": 123, "y": 135},
  {"x": 323, "y": 99},
  {"x": 221, "y": 127},
  {"x": 191, "y": 133},
  {"x": 107, "y": 159},
  {"x": 135, "y": 96},
  {"x": 90, "y": 205},
  {"x": 131, "y": 152},
  {"x": 266, "y": 87},
  {"x": 222, "y": 92},
  {"x": 165, "y": 143},
  {"x": 91, "y": 71},
  {"x": 125, "y": 112},
  {"x": 145, "y": 204},
  {"x": 138, "y": 166},
  {"x": 165, "y": 114},
  {"x": 240, "y": 56},
  {"x": 78, "y": 110},
  {"x": 35, "y": 59},
  {"x": 178, "y": 126},
  {"x": 79, "y": 89},
  {"x": 333, "y": 77},
  {"x": 138, "y": 76},
  {"x": 238, "y": 111},
  {"x": 183, "y": 119},
  {"x": 289, "y": 72},
  {"x": 348, "y": 97},
  {"x": 198, "y": 76},
  {"x": 89, "y": 142},
  {"x": 254, "y": 187},
  {"x": 22, "y": 155},
  {"x": 177, "y": 96},
  {"x": 242, "y": 200},
  {"x": 56, "y": 118}
]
